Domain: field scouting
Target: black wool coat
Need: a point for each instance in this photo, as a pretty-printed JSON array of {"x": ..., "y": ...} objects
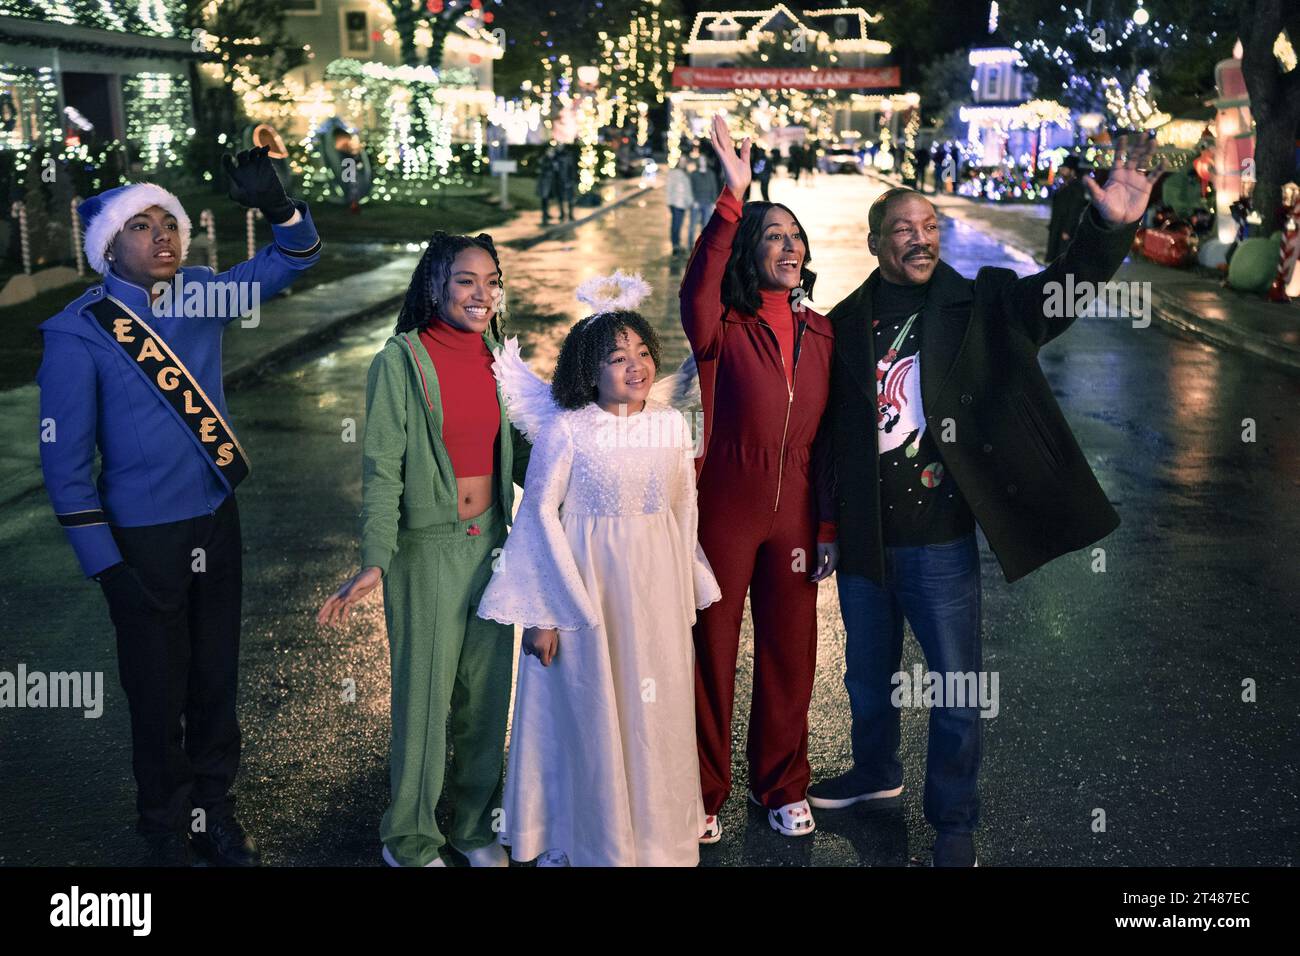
[
  {"x": 987, "y": 404},
  {"x": 1068, "y": 204}
]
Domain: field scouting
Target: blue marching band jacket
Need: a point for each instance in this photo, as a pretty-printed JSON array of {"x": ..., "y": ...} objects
[{"x": 145, "y": 385}]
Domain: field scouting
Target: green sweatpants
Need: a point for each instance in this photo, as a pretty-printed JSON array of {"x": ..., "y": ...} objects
[{"x": 445, "y": 660}]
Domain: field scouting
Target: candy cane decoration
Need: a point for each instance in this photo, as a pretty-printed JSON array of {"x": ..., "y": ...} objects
[
  {"x": 207, "y": 220},
  {"x": 1287, "y": 255},
  {"x": 19, "y": 212},
  {"x": 77, "y": 251},
  {"x": 252, "y": 243}
]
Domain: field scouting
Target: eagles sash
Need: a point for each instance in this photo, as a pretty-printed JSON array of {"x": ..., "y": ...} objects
[{"x": 169, "y": 377}]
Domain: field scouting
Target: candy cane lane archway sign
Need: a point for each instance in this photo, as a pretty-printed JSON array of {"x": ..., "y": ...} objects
[{"x": 741, "y": 77}]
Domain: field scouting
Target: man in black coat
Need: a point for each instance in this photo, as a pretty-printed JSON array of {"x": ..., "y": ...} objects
[
  {"x": 941, "y": 418},
  {"x": 921, "y": 160},
  {"x": 1068, "y": 204}
]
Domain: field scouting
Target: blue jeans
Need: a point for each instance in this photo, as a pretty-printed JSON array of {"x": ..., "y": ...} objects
[
  {"x": 936, "y": 588},
  {"x": 675, "y": 229},
  {"x": 699, "y": 216}
]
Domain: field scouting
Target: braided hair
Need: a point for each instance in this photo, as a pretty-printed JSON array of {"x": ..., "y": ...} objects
[
  {"x": 584, "y": 352},
  {"x": 740, "y": 280},
  {"x": 429, "y": 281}
]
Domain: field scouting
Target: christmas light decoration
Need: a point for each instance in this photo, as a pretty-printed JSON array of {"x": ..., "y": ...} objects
[
  {"x": 159, "y": 18},
  {"x": 157, "y": 112},
  {"x": 31, "y": 98},
  {"x": 1135, "y": 108},
  {"x": 728, "y": 24}
]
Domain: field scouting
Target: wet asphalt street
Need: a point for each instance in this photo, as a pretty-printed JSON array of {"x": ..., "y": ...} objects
[{"x": 1119, "y": 691}]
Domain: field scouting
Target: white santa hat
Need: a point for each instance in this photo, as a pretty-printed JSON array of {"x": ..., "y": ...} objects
[{"x": 105, "y": 215}]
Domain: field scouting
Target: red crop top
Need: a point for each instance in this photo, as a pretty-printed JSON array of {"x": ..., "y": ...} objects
[{"x": 471, "y": 417}]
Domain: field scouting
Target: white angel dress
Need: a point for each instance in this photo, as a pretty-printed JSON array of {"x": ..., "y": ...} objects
[{"x": 603, "y": 762}]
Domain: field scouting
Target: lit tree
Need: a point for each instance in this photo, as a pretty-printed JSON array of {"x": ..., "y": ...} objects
[
  {"x": 247, "y": 40},
  {"x": 1095, "y": 56},
  {"x": 535, "y": 31},
  {"x": 423, "y": 25}
]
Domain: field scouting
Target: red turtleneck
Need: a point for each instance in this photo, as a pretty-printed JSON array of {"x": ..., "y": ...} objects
[
  {"x": 471, "y": 417},
  {"x": 774, "y": 307}
]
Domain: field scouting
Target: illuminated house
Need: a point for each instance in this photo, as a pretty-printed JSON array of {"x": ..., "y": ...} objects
[
  {"x": 80, "y": 72},
  {"x": 363, "y": 32},
  {"x": 1005, "y": 125},
  {"x": 823, "y": 83}
]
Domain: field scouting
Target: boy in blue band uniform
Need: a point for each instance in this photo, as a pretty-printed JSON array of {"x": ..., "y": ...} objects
[{"x": 159, "y": 529}]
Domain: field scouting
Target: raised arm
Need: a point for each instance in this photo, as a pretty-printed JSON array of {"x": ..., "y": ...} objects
[
  {"x": 1105, "y": 232},
  {"x": 296, "y": 246},
  {"x": 701, "y": 292}
]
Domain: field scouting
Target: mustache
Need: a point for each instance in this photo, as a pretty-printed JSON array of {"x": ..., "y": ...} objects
[{"x": 919, "y": 252}]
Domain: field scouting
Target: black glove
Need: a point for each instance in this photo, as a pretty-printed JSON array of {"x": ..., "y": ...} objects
[
  {"x": 253, "y": 182},
  {"x": 124, "y": 590}
]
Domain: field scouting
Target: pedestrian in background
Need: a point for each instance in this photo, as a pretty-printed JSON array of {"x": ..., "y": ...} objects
[
  {"x": 703, "y": 192},
  {"x": 568, "y": 180},
  {"x": 760, "y": 164},
  {"x": 680, "y": 201},
  {"x": 1069, "y": 201},
  {"x": 548, "y": 182},
  {"x": 921, "y": 160}
]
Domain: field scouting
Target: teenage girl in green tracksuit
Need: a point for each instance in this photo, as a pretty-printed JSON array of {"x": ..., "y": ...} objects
[{"x": 440, "y": 460}]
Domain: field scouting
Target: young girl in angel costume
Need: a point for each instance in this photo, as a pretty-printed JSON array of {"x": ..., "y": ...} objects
[{"x": 603, "y": 571}]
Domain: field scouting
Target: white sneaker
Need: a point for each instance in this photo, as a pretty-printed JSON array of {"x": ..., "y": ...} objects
[
  {"x": 491, "y": 855},
  {"x": 391, "y": 861},
  {"x": 792, "y": 820},
  {"x": 553, "y": 858},
  {"x": 712, "y": 829}
]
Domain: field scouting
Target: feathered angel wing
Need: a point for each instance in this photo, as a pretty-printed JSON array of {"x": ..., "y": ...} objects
[
  {"x": 528, "y": 399},
  {"x": 681, "y": 389}
]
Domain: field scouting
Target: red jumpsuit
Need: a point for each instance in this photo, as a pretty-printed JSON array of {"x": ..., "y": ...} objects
[{"x": 764, "y": 484}]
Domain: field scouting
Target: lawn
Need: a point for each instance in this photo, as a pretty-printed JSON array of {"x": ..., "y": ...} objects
[{"x": 454, "y": 210}]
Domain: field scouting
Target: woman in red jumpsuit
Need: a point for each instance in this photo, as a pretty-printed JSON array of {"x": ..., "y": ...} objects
[{"x": 765, "y": 489}]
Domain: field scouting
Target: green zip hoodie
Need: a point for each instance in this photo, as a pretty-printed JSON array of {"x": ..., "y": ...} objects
[{"x": 407, "y": 478}]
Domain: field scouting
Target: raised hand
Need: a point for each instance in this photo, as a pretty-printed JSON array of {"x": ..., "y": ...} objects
[
  {"x": 253, "y": 182},
  {"x": 1128, "y": 188},
  {"x": 734, "y": 168}
]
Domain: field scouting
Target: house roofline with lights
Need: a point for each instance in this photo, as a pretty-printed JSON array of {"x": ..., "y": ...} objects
[
  {"x": 119, "y": 72},
  {"x": 750, "y": 28}
]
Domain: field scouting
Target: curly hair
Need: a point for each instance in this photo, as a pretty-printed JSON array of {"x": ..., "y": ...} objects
[
  {"x": 429, "y": 281},
  {"x": 584, "y": 352},
  {"x": 740, "y": 281}
]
